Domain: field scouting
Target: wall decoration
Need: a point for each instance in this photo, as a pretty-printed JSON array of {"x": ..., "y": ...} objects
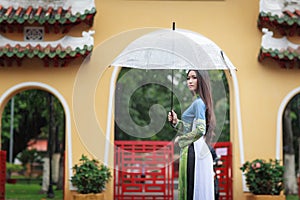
[{"x": 33, "y": 33}]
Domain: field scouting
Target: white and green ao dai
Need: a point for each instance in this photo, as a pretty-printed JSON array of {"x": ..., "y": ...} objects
[{"x": 196, "y": 176}]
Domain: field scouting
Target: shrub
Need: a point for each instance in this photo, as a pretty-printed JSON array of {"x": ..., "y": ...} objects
[
  {"x": 90, "y": 176},
  {"x": 264, "y": 177}
]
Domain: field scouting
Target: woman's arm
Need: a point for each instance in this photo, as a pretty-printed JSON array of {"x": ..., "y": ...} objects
[
  {"x": 198, "y": 129},
  {"x": 190, "y": 137}
]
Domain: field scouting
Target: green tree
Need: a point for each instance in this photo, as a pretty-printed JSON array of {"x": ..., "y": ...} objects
[{"x": 31, "y": 119}]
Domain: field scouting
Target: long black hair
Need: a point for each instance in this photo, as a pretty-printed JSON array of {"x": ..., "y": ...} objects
[{"x": 204, "y": 91}]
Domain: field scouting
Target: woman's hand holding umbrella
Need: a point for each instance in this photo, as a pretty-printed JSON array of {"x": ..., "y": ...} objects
[{"x": 172, "y": 117}]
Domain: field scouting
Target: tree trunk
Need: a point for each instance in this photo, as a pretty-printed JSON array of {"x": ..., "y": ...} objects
[
  {"x": 55, "y": 167},
  {"x": 60, "y": 182},
  {"x": 289, "y": 154},
  {"x": 289, "y": 174},
  {"x": 45, "y": 183}
]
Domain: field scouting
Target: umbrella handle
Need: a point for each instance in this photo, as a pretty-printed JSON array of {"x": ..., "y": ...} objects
[
  {"x": 171, "y": 122},
  {"x": 172, "y": 88}
]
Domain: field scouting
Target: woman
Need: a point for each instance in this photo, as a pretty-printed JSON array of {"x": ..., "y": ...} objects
[{"x": 196, "y": 176}]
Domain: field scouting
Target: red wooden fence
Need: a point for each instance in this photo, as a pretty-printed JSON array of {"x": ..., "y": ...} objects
[{"x": 143, "y": 170}]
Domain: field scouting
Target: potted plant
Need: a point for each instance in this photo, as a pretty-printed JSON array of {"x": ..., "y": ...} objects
[
  {"x": 90, "y": 177},
  {"x": 264, "y": 179},
  {"x": 11, "y": 168}
]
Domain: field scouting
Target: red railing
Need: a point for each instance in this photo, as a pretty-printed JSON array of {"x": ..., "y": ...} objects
[{"x": 143, "y": 170}]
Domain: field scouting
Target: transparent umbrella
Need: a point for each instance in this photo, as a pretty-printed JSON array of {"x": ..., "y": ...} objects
[{"x": 173, "y": 49}]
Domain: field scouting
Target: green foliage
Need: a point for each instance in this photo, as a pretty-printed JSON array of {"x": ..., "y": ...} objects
[
  {"x": 29, "y": 156},
  {"x": 90, "y": 176},
  {"x": 220, "y": 92},
  {"x": 264, "y": 177},
  {"x": 31, "y": 119},
  {"x": 10, "y": 167},
  {"x": 294, "y": 106},
  {"x": 147, "y": 95}
]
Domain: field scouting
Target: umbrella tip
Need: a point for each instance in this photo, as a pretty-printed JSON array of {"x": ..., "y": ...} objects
[{"x": 173, "y": 26}]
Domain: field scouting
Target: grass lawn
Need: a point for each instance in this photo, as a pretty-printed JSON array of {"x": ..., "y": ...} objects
[
  {"x": 23, "y": 191},
  {"x": 292, "y": 197}
]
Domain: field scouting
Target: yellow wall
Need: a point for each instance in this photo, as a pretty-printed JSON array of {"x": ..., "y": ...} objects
[{"x": 231, "y": 24}]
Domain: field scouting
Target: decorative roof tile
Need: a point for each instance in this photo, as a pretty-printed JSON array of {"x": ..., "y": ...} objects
[
  {"x": 65, "y": 48},
  {"x": 14, "y": 12},
  {"x": 281, "y": 15},
  {"x": 286, "y": 53}
]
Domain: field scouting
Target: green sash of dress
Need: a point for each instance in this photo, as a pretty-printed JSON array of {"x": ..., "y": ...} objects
[{"x": 182, "y": 185}]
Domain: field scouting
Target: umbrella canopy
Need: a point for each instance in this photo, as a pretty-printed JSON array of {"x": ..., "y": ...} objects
[{"x": 173, "y": 49}]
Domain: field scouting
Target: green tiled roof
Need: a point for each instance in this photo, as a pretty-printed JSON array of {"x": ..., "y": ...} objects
[
  {"x": 65, "y": 48},
  {"x": 286, "y": 53},
  {"x": 281, "y": 17},
  {"x": 283, "y": 54},
  {"x": 38, "y": 51},
  {"x": 288, "y": 18},
  {"x": 286, "y": 22},
  {"x": 40, "y": 15},
  {"x": 285, "y": 58}
]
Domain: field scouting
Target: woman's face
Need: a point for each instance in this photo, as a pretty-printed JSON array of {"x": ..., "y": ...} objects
[{"x": 192, "y": 81}]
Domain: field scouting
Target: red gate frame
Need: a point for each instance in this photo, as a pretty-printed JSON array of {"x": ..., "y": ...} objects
[{"x": 2, "y": 174}]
